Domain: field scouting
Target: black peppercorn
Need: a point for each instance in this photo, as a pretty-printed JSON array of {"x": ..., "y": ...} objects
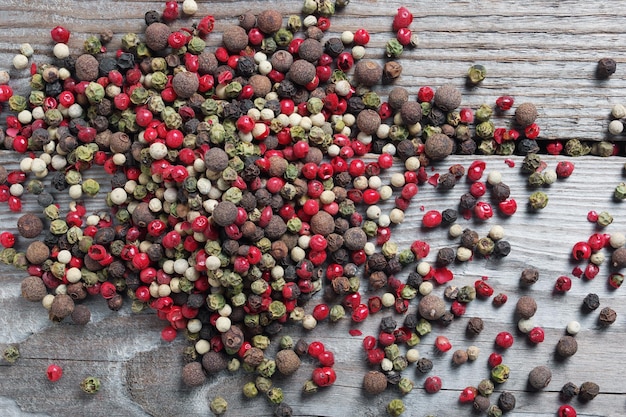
[
  {"x": 445, "y": 256},
  {"x": 606, "y": 67},
  {"x": 591, "y": 302},
  {"x": 588, "y": 391},
  {"x": 568, "y": 391},
  {"x": 424, "y": 365},
  {"x": 475, "y": 325},
  {"x": 449, "y": 216},
  {"x": 468, "y": 201},
  {"x": 607, "y": 316},
  {"x": 529, "y": 276},
  {"x": 502, "y": 248},
  {"x": 447, "y": 181},
  {"x": 506, "y": 401},
  {"x": 469, "y": 238}
]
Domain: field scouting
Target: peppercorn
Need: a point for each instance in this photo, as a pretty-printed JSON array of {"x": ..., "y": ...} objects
[
  {"x": 424, "y": 365},
  {"x": 475, "y": 325},
  {"x": 218, "y": 405},
  {"x": 185, "y": 84},
  {"x": 11, "y": 353},
  {"x": 287, "y": 361},
  {"x": 526, "y": 307},
  {"x": 87, "y": 67},
  {"x": 618, "y": 258},
  {"x": 539, "y": 377},
  {"x": 459, "y": 357},
  {"x": 526, "y": 114},
  {"x": 607, "y": 316},
  {"x": 33, "y": 289},
  {"x": 591, "y": 302},
  {"x": 606, "y": 67},
  {"x": 368, "y": 121},
  {"x": 449, "y": 216},
  {"x": 268, "y": 21},
  {"x": 438, "y": 146},
  {"x": 447, "y": 97},
  {"x": 90, "y": 385},
  {"x": 214, "y": 362},
  {"x": 81, "y": 315},
  {"x": 374, "y": 382},
  {"x": 301, "y": 72},
  {"x": 538, "y": 200},
  {"x": 61, "y": 307},
  {"x": 506, "y": 401},
  {"x": 566, "y": 346},
  {"x": 29, "y": 225},
  {"x": 193, "y": 374},
  {"x": 588, "y": 391},
  {"x": 431, "y": 307},
  {"x": 481, "y": 403},
  {"x": 568, "y": 391}
]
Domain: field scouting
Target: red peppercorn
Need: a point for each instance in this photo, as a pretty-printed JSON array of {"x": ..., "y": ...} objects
[
  {"x": 169, "y": 334},
  {"x": 567, "y": 410},
  {"x": 483, "y": 210},
  {"x": 508, "y": 207},
  {"x": 315, "y": 349},
  {"x": 532, "y": 131},
  {"x": 321, "y": 311},
  {"x": 581, "y": 251},
  {"x": 563, "y": 284},
  {"x": 404, "y": 36},
  {"x": 385, "y": 161},
  {"x": 7, "y": 239},
  {"x": 326, "y": 358},
  {"x": 504, "y": 340},
  {"x": 475, "y": 171},
  {"x": 171, "y": 10},
  {"x": 500, "y": 299},
  {"x": 323, "y": 377},
  {"x": 478, "y": 189},
  {"x": 505, "y": 103},
  {"x": 443, "y": 344},
  {"x": 15, "y": 204},
  {"x": 494, "y": 360},
  {"x": 554, "y": 147},
  {"x": 420, "y": 249},
  {"x": 483, "y": 289},
  {"x": 60, "y": 34},
  {"x": 425, "y": 94},
  {"x": 468, "y": 395},
  {"x": 432, "y": 384},
  {"x": 402, "y": 19},
  {"x": 375, "y": 356},
  {"x": 432, "y": 218},
  {"x": 206, "y": 25},
  {"x": 616, "y": 280},
  {"x": 54, "y": 372},
  {"x": 386, "y": 339},
  {"x": 369, "y": 342},
  {"x": 360, "y": 313},
  {"x": 536, "y": 335},
  {"x": 361, "y": 37},
  {"x": 457, "y": 308},
  {"x": 345, "y": 61},
  {"x": 564, "y": 169},
  {"x": 591, "y": 270}
]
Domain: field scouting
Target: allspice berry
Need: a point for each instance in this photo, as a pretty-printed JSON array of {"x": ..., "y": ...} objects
[
  {"x": 310, "y": 50},
  {"x": 29, "y": 225},
  {"x": 207, "y": 63},
  {"x": 459, "y": 357},
  {"x": 397, "y": 97},
  {"x": 526, "y": 114},
  {"x": 539, "y": 377},
  {"x": 526, "y": 307},
  {"x": 33, "y": 289},
  {"x": 606, "y": 67},
  {"x": 438, "y": 146},
  {"x": 224, "y": 213},
  {"x": 287, "y": 361},
  {"x": 506, "y": 401},
  {"x": 481, "y": 403},
  {"x": 618, "y": 258},
  {"x": 447, "y": 97},
  {"x": 193, "y": 375},
  {"x": 588, "y": 391},
  {"x": 368, "y": 121},
  {"x": 62, "y": 306},
  {"x": 368, "y": 73},
  {"x": 216, "y": 159},
  {"x": 431, "y": 307},
  {"x": 81, "y": 315},
  {"x": 87, "y": 67},
  {"x": 185, "y": 84},
  {"x": 301, "y": 72},
  {"x": 234, "y": 39},
  {"x": 529, "y": 276},
  {"x": 214, "y": 362},
  {"x": 354, "y": 238},
  {"x": 260, "y": 84},
  {"x": 607, "y": 316},
  {"x": 322, "y": 223},
  {"x": 156, "y": 36},
  {"x": 269, "y": 21},
  {"x": 566, "y": 346},
  {"x": 374, "y": 382},
  {"x": 411, "y": 112},
  {"x": 281, "y": 60},
  {"x": 37, "y": 252}
]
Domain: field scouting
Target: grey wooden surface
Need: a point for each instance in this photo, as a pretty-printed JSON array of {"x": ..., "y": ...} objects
[{"x": 539, "y": 51}]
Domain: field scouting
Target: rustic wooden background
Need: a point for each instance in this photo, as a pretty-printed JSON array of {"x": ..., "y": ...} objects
[{"x": 539, "y": 51}]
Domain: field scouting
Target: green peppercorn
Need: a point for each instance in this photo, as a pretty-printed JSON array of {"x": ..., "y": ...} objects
[
  {"x": 476, "y": 73},
  {"x": 218, "y": 405},
  {"x": 405, "y": 385},
  {"x": 538, "y": 200},
  {"x": 604, "y": 219},
  {"x": 393, "y": 48},
  {"x": 395, "y": 407},
  {"x": 250, "y": 390},
  {"x": 11, "y": 353},
  {"x": 500, "y": 373},
  {"x": 90, "y": 385}
]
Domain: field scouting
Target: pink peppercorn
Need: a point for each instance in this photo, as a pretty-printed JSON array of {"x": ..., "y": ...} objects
[
  {"x": 504, "y": 340},
  {"x": 432, "y": 384}
]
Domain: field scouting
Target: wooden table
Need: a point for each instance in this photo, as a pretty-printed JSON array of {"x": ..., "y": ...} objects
[{"x": 539, "y": 51}]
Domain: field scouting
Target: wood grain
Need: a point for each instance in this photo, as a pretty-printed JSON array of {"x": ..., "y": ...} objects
[{"x": 539, "y": 51}]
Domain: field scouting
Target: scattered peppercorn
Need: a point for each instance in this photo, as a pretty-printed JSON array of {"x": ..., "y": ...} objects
[
  {"x": 526, "y": 114},
  {"x": 607, "y": 316},
  {"x": 526, "y": 307},
  {"x": 591, "y": 302},
  {"x": 374, "y": 382},
  {"x": 506, "y": 401},
  {"x": 539, "y": 377},
  {"x": 287, "y": 361},
  {"x": 588, "y": 391},
  {"x": 193, "y": 374},
  {"x": 566, "y": 346},
  {"x": 568, "y": 391},
  {"x": 29, "y": 225},
  {"x": 606, "y": 67},
  {"x": 475, "y": 325}
]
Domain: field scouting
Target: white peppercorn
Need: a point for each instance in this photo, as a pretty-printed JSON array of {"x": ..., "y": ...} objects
[
  {"x": 396, "y": 216},
  {"x": 616, "y": 127},
  {"x": 222, "y": 324},
  {"x": 385, "y": 192},
  {"x": 455, "y": 230},
  {"x": 617, "y": 240},
  {"x": 525, "y": 325},
  {"x": 388, "y": 299},
  {"x": 426, "y": 288},
  {"x": 618, "y": 111},
  {"x": 473, "y": 352},
  {"x": 423, "y": 268},
  {"x": 573, "y": 327},
  {"x": 309, "y": 322},
  {"x": 463, "y": 254},
  {"x": 412, "y": 355},
  {"x": 20, "y": 61},
  {"x": 494, "y": 177},
  {"x": 496, "y": 232}
]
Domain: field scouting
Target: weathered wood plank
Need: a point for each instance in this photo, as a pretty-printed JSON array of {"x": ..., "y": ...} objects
[{"x": 538, "y": 51}]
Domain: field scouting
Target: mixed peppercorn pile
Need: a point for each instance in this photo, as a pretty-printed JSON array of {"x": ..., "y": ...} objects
[{"x": 248, "y": 177}]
